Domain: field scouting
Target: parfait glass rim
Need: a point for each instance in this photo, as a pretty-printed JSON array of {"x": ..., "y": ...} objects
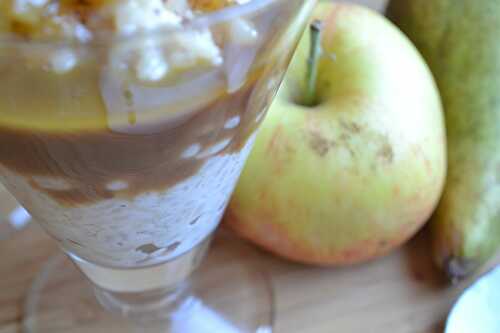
[{"x": 198, "y": 22}]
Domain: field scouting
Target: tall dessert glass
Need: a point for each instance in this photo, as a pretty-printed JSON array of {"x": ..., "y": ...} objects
[{"x": 126, "y": 148}]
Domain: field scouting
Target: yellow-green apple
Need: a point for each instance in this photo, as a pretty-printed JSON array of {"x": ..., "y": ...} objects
[{"x": 357, "y": 169}]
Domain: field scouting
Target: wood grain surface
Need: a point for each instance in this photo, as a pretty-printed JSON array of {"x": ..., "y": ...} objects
[{"x": 401, "y": 293}]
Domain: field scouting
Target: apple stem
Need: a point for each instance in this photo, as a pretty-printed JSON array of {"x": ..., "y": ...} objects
[{"x": 312, "y": 63}]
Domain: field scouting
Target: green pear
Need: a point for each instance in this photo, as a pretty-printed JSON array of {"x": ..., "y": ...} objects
[
  {"x": 460, "y": 41},
  {"x": 358, "y": 169}
]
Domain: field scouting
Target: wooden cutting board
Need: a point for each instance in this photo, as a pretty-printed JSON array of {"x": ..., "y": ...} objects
[{"x": 401, "y": 293}]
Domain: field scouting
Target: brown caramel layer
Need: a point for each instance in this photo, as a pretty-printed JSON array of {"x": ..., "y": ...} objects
[{"x": 91, "y": 160}]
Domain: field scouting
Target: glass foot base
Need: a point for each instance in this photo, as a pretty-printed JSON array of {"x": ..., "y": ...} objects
[{"x": 228, "y": 294}]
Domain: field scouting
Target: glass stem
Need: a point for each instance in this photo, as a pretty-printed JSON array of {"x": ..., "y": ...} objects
[
  {"x": 155, "y": 302},
  {"x": 145, "y": 307}
]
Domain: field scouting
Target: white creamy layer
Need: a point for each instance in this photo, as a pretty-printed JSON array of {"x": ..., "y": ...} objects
[{"x": 151, "y": 228}]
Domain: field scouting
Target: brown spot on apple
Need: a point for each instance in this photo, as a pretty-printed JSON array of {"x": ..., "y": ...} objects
[
  {"x": 352, "y": 127},
  {"x": 344, "y": 137},
  {"x": 386, "y": 153},
  {"x": 318, "y": 143}
]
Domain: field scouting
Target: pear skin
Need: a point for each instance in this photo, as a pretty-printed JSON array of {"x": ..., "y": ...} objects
[{"x": 460, "y": 41}]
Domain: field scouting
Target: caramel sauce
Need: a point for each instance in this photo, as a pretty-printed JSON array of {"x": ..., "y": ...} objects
[
  {"x": 211, "y": 5},
  {"x": 90, "y": 160}
]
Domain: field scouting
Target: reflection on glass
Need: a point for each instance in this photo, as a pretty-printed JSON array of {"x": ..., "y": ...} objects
[{"x": 13, "y": 217}]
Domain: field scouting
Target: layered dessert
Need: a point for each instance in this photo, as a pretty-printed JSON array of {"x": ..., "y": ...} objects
[{"x": 124, "y": 125}]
